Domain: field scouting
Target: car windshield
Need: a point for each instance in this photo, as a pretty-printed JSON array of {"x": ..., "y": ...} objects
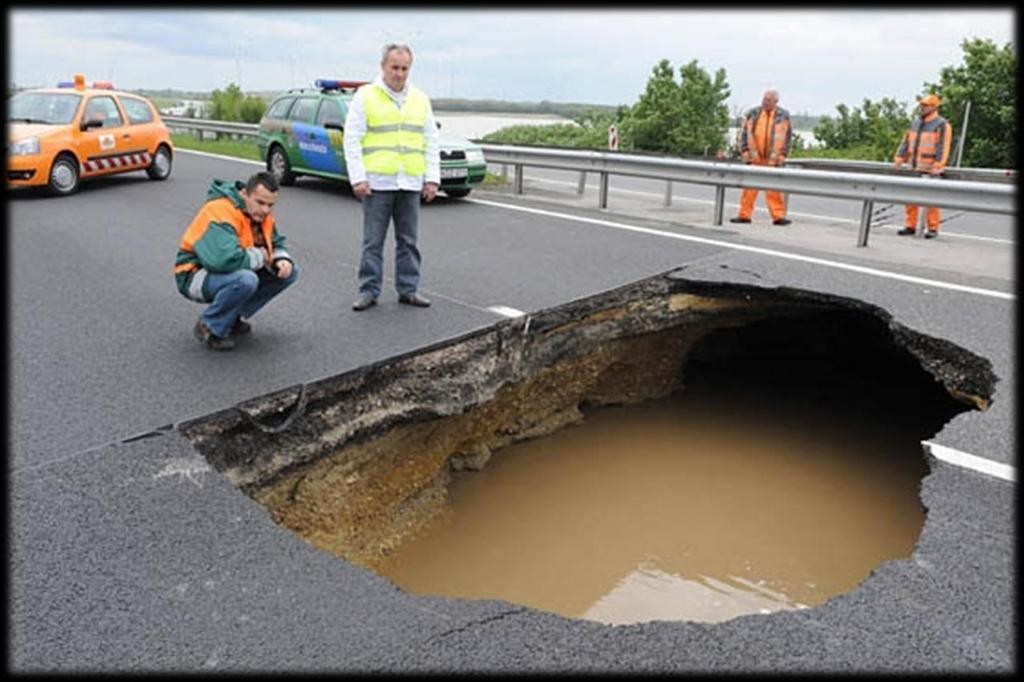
[{"x": 43, "y": 107}]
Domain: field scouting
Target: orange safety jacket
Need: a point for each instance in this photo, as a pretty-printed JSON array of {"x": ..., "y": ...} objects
[
  {"x": 780, "y": 137},
  {"x": 927, "y": 143}
]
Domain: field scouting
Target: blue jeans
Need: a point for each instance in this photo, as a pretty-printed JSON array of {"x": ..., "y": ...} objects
[
  {"x": 241, "y": 294},
  {"x": 378, "y": 210}
]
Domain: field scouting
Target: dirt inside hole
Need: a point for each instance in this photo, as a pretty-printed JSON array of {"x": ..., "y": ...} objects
[{"x": 376, "y": 463}]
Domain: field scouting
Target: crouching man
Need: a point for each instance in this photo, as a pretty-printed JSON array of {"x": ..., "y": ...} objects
[{"x": 232, "y": 257}]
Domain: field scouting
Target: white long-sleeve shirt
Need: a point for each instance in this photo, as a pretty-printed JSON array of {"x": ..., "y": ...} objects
[{"x": 355, "y": 131}]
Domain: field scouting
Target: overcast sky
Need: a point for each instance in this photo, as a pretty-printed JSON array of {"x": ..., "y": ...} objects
[{"x": 815, "y": 58}]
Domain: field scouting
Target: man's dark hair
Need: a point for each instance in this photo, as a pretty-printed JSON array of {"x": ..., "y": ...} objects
[{"x": 265, "y": 178}]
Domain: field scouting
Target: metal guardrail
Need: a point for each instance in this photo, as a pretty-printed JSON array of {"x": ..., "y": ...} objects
[
  {"x": 205, "y": 125},
  {"x": 884, "y": 167},
  {"x": 985, "y": 197},
  {"x": 866, "y": 181}
]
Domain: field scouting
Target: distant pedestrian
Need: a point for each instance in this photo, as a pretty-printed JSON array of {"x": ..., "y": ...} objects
[
  {"x": 393, "y": 159},
  {"x": 926, "y": 147},
  {"x": 232, "y": 257},
  {"x": 765, "y": 139}
]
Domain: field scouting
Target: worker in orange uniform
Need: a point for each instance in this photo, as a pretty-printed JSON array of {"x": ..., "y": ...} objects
[
  {"x": 765, "y": 140},
  {"x": 926, "y": 146}
]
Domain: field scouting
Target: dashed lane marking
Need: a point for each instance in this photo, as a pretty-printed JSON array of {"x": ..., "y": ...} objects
[{"x": 973, "y": 462}]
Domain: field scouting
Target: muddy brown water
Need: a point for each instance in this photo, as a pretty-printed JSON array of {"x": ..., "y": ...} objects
[{"x": 678, "y": 509}]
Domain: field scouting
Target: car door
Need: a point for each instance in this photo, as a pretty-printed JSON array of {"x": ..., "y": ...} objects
[
  {"x": 104, "y": 142},
  {"x": 313, "y": 154},
  {"x": 330, "y": 123},
  {"x": 142, "y": 133}
]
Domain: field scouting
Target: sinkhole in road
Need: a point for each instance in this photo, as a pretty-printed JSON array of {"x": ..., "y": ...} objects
[{"x": 668, "y": 450}]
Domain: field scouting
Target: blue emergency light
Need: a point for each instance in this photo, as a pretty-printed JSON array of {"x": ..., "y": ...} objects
[{"x": 336, "y": 84}]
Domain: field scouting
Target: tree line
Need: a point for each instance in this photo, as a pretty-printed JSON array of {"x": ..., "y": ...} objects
[{"x": 689, "y": 116}]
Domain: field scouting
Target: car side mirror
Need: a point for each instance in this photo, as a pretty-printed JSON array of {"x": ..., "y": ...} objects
[{"x": 91, "y": 123}]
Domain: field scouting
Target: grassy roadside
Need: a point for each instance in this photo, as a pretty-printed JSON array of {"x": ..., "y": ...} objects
[{"x": 243, "y": 149}]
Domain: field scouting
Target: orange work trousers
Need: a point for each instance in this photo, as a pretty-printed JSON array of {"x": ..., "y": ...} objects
[
  {"x": 932, "y": 217},
  {"x": 776, "y": 206}
]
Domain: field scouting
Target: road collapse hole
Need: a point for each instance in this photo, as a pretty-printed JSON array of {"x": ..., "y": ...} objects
[{"x": 650, "y": 455}]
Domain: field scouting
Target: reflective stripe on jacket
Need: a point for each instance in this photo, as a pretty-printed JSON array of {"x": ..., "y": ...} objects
[
  {"x": 394, "y": 137},
  {"x": 927, "y": 143},
  {"x": 780, "y": 135}
]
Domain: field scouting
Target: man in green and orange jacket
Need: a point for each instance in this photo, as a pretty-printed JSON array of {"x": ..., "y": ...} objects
[{"x": 232, "y": 257}]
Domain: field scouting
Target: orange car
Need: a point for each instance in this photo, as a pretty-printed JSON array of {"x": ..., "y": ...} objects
[{"x": 58, "y": 137}]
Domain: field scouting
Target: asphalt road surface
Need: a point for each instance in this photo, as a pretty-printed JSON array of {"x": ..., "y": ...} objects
[{"x": 129, "y": 553}]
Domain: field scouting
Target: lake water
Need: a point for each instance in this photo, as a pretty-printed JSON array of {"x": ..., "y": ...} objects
[{"x": 473, "y": 125}]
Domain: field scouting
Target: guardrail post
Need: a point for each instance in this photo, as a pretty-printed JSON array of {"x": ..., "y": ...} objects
[
  {"x": 719, "y": 204},
  {"x": 866, "y": 212},
  {"x": 519, "y": 178},
  {"x": 603, "y": 194},
  {"x": 668, "y": 194},
  {"x": 582, "y": 183}
]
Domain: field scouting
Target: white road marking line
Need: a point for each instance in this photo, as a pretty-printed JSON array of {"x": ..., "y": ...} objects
[
  {"x": 221, "y": 156},
  {"x": 754, "y": 249},
  {"x": 761, "y": 211},
  {"x": 973, "y": 462},
  {"x": 506, "y": 311}
]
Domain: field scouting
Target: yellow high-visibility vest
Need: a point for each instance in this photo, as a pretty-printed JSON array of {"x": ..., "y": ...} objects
[{"x": 394, "y": 137}]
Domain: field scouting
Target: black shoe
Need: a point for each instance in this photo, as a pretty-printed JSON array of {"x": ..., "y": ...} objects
[
  {"x": 739, "y": 220},
  {"x": 363, "y": 302},
  {"x": 781, "y": 221},
  {"x": 931, "y": 234},
  {"x": 905, "y": 231},
  {"x": 240, "y": 327},
  {"x": 209, "y": 339},
  {"x": 414, "y": 299}
]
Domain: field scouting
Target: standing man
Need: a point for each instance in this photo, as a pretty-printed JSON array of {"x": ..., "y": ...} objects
[
  {"x": 391, "y": 152},
  {"x": 232, "y": 257},
  {"x": 926, "y": 146},
  {"x": 765, "y": 140}
]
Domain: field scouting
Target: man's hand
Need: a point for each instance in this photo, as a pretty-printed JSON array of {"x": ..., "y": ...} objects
[
  {"x": 897, "y": 165},
  {"x": 429, "y": 191},
  {"x": 361, "y": 190},
  {"x": 284, "y": 268},
  {"x": 937, "y": 170}
]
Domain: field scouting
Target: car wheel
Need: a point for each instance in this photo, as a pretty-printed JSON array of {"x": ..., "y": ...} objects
[
  {"x": 457, "y": 193},
  {"x": 278, "y": 164},
  {"x": 160, "y": 167},
  {"x": 64, "y": 175}
]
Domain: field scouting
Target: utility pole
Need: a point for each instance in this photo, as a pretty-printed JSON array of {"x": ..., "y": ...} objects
[{"x": 963, "y": 134}]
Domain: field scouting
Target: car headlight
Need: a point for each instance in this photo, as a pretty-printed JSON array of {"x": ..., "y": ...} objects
[
  {"x": 24, "y": 147},
  {"x": 475, "y": 155}
]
